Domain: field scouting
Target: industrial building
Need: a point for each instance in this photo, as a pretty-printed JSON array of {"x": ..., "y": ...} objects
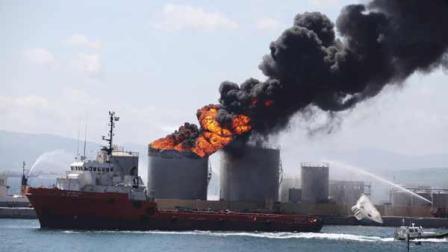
[
  {"x": 400, "y": 198},
  {"x": 315, "y": 182},
  {"x": 347, "y": 192},
  {"x": 404, "y": 204},
  {"x": 250, "y": 178},
  {"x": 290, "y": 190},
  {"x": 440, "y": 202}
]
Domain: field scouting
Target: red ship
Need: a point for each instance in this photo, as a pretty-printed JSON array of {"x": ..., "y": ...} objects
[
  {"x": 107, "y": 193},
  {"x": 62, "y": 209}
]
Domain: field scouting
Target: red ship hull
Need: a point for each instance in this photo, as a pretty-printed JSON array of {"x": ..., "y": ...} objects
[{"x": 61, "y": 209}]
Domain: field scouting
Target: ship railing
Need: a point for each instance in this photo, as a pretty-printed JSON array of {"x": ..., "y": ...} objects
[
  {"x": 315, "y": 164},
  {"x": 124, "y": 152}
]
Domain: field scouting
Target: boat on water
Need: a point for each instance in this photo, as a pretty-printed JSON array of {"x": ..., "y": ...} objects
[
  {"x": 365, "y": 210},
  {"x": 15, "y": 200},
  {"x": 413, "y": 232},
  {"x": 107, "y": 193}
]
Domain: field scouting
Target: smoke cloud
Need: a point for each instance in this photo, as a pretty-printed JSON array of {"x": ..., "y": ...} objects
[{"x": 380, "y": 43}]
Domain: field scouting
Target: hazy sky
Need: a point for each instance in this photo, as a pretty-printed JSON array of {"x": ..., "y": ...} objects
[{"x": 156, "y": 62}]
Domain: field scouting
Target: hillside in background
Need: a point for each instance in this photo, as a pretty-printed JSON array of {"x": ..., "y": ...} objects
[{"x": 56, "y": 150}]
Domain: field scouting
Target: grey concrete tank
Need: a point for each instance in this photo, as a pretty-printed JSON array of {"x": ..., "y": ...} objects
[
  {"x": 440, "y": 200},
  {"x": 404, "y": 199},
  {"x": 250, "y": 174},
  {"x": 174, "y": 175},
  {"x": 315, "y": 179}
]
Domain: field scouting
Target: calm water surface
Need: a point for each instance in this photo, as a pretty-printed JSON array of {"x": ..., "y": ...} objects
[{"x": 25, "y": 235}]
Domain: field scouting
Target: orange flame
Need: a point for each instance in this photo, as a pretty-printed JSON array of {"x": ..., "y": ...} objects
[{"x": 213, "y": 136}]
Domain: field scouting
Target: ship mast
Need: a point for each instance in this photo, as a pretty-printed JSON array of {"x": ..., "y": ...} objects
[
  {"x": 112, "y": 120},
  {"x": 24, "y": 183}
]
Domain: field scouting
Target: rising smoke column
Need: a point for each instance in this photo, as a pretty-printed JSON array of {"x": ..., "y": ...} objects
[{"x": 380, "y": 43}]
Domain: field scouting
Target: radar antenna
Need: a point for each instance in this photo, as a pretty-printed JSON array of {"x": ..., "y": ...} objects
[{"x": 112, "y": 120}]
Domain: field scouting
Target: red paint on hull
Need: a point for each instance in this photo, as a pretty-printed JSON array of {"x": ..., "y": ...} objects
[{"x": 88, "y": 210}]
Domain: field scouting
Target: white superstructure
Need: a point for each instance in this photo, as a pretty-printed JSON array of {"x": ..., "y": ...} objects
[{"x": 113, "y": 170}]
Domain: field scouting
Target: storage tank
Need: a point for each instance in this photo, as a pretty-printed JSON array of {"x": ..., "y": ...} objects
[
  {"x": 177, "y": 175},
  {"x": 440, "y": 200},
  {"x": 250, "y": 173},
  {"x": 315, "y": 179},
  {"x": 440, "y": 204},
  {"x": 404, "y": 199}
]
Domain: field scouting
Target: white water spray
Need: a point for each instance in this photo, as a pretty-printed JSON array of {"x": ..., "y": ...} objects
[
  {"x": 383, "y": 180},
  {"x": 49, "y": 157}
]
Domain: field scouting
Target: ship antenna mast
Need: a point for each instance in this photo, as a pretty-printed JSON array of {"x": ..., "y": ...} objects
[
  {"x": 77, "y": 143},
  {"x": 85, "y": 140},
  {"x": 112, "y": 120}
]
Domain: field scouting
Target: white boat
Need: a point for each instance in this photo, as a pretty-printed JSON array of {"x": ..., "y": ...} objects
[
  {"x": 413, "y": 232},
  {"x": 364, "y": 209}
]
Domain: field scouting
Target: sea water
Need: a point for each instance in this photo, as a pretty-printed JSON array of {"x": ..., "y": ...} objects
[{"x": 25, "y": 235}]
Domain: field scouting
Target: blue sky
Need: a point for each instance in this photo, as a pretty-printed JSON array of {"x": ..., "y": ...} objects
[{"x": 156, "y": 62}]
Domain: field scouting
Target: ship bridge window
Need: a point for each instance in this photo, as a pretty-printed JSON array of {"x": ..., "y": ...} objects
[
  {"x": 85, "y": 168},
  {"x": 107, "y": 169},
  {"x": 94, "y": 169}
]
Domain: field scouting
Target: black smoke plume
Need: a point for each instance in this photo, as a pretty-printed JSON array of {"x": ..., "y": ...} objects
[{"x": 380, "y": 43}]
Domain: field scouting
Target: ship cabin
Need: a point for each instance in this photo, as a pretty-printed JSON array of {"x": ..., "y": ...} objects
[
  {"x": 120, "y": 162},
  {"x": 107, "y": 170}
]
